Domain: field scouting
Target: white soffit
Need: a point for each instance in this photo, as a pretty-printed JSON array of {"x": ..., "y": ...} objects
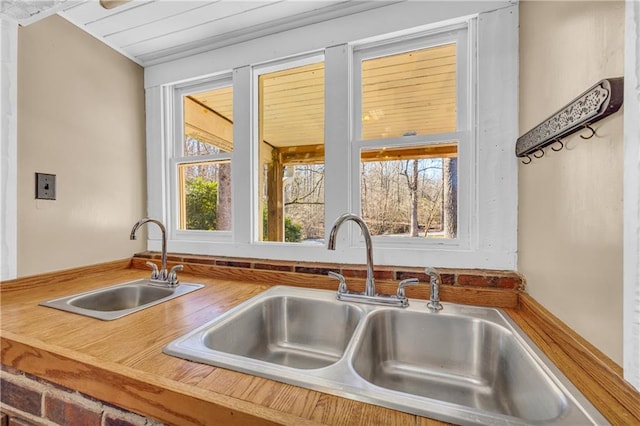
[{"x": 151, "y": 32}]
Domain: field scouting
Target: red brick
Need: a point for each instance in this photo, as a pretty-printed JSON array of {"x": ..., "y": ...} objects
[
  {"x": 313, "y": 270},
  {"x": 273, "y": 266},
  {"x": 68, "y": 413},
  {"x": 447, "y": 279},
  {"x": 509, "y": 282},
  {"x": 379, "y": 274},
  {"x": 4, "y": 419},
  {"x": 477, "y": 281},
  {"x": 111, "y": 421},
  {"x": 233, "y": 264},
  {"x": 20, "y": 398}
]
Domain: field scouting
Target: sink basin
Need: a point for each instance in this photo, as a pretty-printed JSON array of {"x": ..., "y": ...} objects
[
  {"x": 283, "y": 328},
  {"x": 458, "y": 359},
  {"x": 464, "y": 365},
  {"x": 117, "y": 301},
  {"x": 120, "y": 298},
  {"x": 289, "y": 331}
]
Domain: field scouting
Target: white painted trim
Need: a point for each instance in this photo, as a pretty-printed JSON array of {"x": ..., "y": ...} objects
[
  {"x": 497, "y": 43},
  {"x": 497, "y": 131},
  {"x": 244, "y": 161},
  {"x": 631, "y": 197},
  {"x": 156, "y": 159},
  {"x": 337, "y": 127},
  {"x": 9, "y": 149}
]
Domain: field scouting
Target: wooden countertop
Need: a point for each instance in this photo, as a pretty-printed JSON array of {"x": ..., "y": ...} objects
[{"x": 121, "y": 361}]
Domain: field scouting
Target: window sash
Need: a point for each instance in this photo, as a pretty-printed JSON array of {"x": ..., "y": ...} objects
[
  {"x": 257, "y": 71},
  {"x": 459, "y": 33},
  {"x": 176, "y": 119}
]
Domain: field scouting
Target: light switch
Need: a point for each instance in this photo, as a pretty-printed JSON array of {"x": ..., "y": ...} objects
[{"x": 45, "y": 186}]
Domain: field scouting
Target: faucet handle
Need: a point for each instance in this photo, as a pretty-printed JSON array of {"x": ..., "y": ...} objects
[
  {"x": 155, "y": 273},
  {"x": 342, "y": 288},
  {"x": 403, "y": 284},
  {"x": 172, "y": 278}
]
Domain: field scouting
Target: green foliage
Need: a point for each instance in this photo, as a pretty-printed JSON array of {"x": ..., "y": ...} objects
[
  {"x": 201, "y": 204},
  {"x": 292, "y": 231}
]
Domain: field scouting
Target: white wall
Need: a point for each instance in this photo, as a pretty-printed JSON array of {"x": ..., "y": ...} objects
[
  {"x": 80, "y": 117},
  {"x": 570, "y": 202}
]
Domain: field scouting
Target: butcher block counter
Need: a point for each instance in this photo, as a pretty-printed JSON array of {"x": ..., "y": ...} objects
[{"x": 121, "y": 361}]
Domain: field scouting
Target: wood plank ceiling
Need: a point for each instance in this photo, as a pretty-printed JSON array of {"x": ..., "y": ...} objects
[{"x": 156, "y": 31}]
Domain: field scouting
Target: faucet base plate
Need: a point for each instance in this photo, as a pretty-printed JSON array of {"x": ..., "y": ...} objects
[{"x": 378, "y": 299}]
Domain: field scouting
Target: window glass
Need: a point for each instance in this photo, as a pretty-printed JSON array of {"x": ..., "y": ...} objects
[
  {"x": 205, "y": 196},
  {"x": 208, "y": 122},
  {"x": 410, "y": 191},
  {"x": 291, "y": 152},
  {"x": 410, "y": 93},
  {"x": 204, "y": 187}
]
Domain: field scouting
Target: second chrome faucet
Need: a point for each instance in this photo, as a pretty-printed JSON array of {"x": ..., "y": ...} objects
[
  {"x": 159, "y": 276},
  {"x": 370, "y": 295}
]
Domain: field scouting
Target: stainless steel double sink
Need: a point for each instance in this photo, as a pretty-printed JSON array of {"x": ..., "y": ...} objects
[{"x": 464, "y": 364}]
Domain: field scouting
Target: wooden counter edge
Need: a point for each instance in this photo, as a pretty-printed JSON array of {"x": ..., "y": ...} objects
[
  {"x": 56, "y": 277},
  {"x": 591, "y": 371},
  {"x": 157, "y": 397}
]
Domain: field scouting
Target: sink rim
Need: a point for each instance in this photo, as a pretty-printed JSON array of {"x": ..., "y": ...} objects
[
  {"x": 64, "y": 303},
  {"x": 342, "y": 380}
]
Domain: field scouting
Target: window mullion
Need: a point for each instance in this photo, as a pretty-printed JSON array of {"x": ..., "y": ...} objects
[
  {"x": 244, "y": 158},
  {"x": 337, "y": 135}
]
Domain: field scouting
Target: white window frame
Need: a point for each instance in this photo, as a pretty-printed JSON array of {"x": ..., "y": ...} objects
[
  {"x": 462, "y": 35},
  {"x": 493, "y": 200},
  {"x": 256, "y": 71},
  {"x": 177, "y": 157}
]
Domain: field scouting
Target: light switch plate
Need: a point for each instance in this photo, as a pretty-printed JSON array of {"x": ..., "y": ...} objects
[{"x": 45, "y": 186}]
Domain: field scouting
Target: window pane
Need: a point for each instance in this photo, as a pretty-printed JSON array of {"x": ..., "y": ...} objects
[
  {"x": 409, "y": 93},
  {"x": 205, "y": 196},
  {"x": 304, "y": 202},
  {"x": 291, "y": 123},
  {"x": 410, "y": 192},
  {"x": 208, "y": 122}
]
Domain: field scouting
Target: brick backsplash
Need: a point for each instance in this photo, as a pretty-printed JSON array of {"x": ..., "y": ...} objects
[
  {"x": 27, "y": 400},
  {"x": 486, "y": 278}
]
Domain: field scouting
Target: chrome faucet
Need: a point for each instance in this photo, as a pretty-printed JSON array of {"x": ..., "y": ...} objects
[
  {"x": 434, "y": 304},
  {"x": 370, "y": 286},
  {"x": 159, "y": 276},
  {"x": 369, "y": 295}
]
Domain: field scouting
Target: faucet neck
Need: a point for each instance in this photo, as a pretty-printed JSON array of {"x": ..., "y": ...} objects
[
  {"x": 141, "y": 222},
  {"x": 370, "y": 288}
]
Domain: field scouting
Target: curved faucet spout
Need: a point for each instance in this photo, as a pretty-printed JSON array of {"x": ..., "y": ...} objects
[
  {"x": 370, "y": 288},
  {"x": 163, "y": 267}
]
